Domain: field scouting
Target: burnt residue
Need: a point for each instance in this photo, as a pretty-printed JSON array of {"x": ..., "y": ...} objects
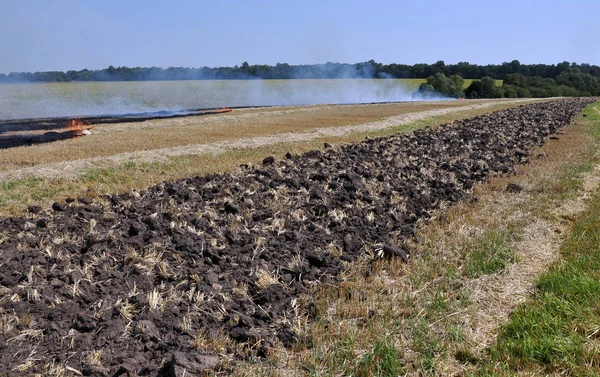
[{"x": 47, "y": 124}]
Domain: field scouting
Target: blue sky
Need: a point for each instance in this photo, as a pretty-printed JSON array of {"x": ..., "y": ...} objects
[{"x": 41, "y": 35}]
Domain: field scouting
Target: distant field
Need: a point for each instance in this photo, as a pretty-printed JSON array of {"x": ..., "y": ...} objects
[
  {"x": 414, "y": 83},
  {"x": 101, "y": 98}
]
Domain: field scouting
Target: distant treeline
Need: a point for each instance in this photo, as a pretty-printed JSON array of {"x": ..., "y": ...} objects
[
  {"x": 519, "y": 80},
  {"x": 570, "y": 83},
  {"x": 370, "y": 69}
]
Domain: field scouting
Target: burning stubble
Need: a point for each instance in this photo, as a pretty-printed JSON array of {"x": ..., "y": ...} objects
[{"x": 73, "y": 129}]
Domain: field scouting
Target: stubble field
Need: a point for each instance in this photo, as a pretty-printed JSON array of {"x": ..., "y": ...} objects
[{"x": 118, "y": 157}]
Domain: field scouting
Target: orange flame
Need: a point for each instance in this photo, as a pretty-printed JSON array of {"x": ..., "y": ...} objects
[
  {"x": 79, "y": 127},
  {"x": 224, "y": 110}
]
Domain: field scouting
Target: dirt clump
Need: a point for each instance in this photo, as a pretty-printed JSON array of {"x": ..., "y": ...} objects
[{"x": 151, "y": 282}]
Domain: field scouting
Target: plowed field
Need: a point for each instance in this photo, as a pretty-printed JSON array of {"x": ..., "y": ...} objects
[{"x": 146, "y": 281}]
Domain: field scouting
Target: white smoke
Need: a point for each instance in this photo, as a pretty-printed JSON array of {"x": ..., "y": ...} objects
[{"x": 40, "y": 100}]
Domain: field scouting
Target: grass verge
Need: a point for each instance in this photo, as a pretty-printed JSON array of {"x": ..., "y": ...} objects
[
  {"x": 490, "y": 254},
  {"x": 558, "y": 330}
]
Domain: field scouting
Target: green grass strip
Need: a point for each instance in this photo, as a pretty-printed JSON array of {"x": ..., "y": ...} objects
[
  {"x": 558, "y": 330},
  {"x": 491, "y": 253}
]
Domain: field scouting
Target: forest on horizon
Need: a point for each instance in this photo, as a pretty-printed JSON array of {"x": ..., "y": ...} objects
[
  {"x": 245, "y": 71},
  {"x": 518, "y": 80}
]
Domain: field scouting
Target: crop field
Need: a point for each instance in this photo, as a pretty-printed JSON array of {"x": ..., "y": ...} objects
[
  {"x": 57, "y": 99},
  {"x": 367, "y": 240},
  {"x": 19, "y": 101}
]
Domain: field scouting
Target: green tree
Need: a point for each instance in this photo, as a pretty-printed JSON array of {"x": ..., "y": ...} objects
[
  {"x": 484, "y": 88},
  {"x": 426, "y": 90},
  {"x": 459, "y": 84},
  {"x": 510, "y": 91},
  {"x": 442, "y": 85}
]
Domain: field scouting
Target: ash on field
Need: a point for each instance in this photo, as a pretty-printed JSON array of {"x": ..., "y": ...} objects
[
  {"x": 36, "y": 130},
  {"x": 186, "y": 274}
]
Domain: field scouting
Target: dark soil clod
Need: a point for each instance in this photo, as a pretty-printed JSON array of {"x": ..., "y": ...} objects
[
  {"x": 513, "y": 187},
  {"x": 231, "y": 208},
  {"x": 391, "y": 252},
  {"x": 34, "y": 209},
  {"x": 58, "y": 207}
]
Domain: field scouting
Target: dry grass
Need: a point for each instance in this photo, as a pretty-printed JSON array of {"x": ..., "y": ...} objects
[
  {"x": 435, "y": 313},
  {"x": 45, "y": 184}
]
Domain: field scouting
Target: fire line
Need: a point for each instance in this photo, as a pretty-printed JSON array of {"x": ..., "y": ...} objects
[{"x": 79, "y": 127}]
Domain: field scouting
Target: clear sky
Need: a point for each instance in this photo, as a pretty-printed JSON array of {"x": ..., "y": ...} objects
[{"x": 43, "y": 35}]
